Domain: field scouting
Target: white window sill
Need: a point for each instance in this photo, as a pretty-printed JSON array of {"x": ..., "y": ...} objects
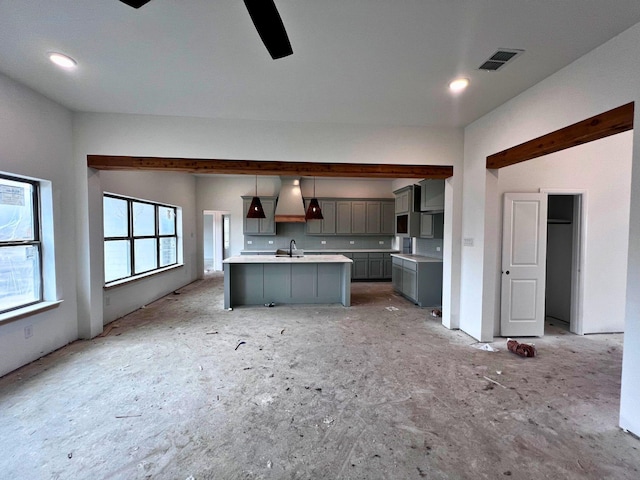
[
  {"x": 142, "y": 276},
  {"x": 28, "y": 311}
]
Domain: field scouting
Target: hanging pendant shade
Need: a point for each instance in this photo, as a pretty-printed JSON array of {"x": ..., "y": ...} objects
[
  {"x": 313, "y": 210},
  {"x": 255, "y": 209}
]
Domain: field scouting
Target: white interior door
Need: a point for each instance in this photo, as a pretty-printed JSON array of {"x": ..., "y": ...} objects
[{"x": 524, "y": 251}]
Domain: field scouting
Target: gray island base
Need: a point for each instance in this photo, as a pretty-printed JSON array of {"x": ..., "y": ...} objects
[{"x": 262, "y": 279}]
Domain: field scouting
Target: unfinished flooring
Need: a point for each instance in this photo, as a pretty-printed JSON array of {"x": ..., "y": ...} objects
[{"x": 182, "y": 390}]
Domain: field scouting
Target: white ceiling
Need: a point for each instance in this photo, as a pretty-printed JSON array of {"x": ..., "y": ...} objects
[{"x": 354, "y": 61}]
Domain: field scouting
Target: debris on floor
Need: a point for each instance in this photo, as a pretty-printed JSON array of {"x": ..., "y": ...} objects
[
  {"x": 392, "y": 309},
  {"x": 522, "y": 349},
  {"x": 485, "y": 346},
  {"x": 270, "y": 304},
  {"x": 435, "y": 313},
  {"x": 241, "y": 343}
]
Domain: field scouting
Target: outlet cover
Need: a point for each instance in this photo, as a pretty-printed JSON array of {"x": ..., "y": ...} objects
[
  {"x": 352, "y": 242},
  {"x": 28, "y": 331},
  {"x": 323, "y": 242}
]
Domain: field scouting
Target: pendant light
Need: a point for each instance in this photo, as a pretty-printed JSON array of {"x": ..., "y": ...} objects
[
  {"x": 313, "y": 211},
  {"x": 255, "y": 209}
]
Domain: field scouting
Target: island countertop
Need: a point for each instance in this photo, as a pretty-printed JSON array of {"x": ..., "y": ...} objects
[{"x": 286, "y": 259}]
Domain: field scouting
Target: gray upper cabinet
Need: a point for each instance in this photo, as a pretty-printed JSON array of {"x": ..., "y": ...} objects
[
  {"x": 432, "y": 195},
  {"x": 431, "y": 225},
  {"x": 343, "y": 217},
  {"x": 358, "y": 217},
  {"x": 260, "y": 226},
  {"x": 373, "y": 217},
  {"x": 326, "y": 226},
  {"x": 354, "y": 217},
  {"x": 403, "y": 199},
  {"x": 387, "y": 218}
]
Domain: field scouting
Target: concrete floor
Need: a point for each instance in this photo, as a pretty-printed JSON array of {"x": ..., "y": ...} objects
[{"x": 375, "y": 391}]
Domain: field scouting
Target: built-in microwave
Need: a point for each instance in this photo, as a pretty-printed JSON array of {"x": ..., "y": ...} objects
[{"x": 402, "y": 224}]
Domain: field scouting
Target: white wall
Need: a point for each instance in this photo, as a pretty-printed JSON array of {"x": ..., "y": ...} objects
[
  {"x": 164, "y": 187},
  {"x": 139, "y": 135},
  {"x": 36, "y": 141},
  {"x": 603, "y": 170},
  {"x": 601, "y": 80}
]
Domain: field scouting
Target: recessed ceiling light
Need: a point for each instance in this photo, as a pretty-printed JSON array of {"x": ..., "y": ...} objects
[
  {"x": 62, "y": 60},
  {"x": 459, "y": 84}
]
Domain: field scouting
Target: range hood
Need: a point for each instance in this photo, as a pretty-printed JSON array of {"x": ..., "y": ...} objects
[{"x": 290, "y": 206}]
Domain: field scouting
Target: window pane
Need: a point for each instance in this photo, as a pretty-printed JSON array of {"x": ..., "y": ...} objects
[
  {"x": 16, "y": 210},
  {"x": 19, "y": 276},
  {"x": 168, "y": 251},
  {"x": 167, "y": 220},
  {"x": 144, "y": 219},
  {"x": 117, "y": 260},
  {"x": 115, "y": 222},
  {"x": 145, "y": 251}
]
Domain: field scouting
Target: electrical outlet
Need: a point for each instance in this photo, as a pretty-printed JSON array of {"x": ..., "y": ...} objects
[
  {"x": 28, "y": 331},
  {"x": 323, "y": 242},
  {"x": 352, "y": 242},
  {"x": 437, "y": 249},
  {"x": 107, "y": 300},
  {"x": 468, "y": 242},
  {"x": 380, "y": 242},
  {"x": 249, "y": 242},
  {"x": 270, "y": 242}
]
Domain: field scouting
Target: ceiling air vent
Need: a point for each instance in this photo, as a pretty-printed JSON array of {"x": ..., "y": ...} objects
[{"x": 500, "y": 59}]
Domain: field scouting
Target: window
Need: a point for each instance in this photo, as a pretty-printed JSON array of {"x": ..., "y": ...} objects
[
  {"x": 139, "y": 237},
  {"x": 20, "y": 246}
]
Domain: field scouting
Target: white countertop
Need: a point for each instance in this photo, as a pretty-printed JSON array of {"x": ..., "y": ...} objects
[
  {"x": 416, "y": 258},
  {"x": 274, "y": 259},
  {"x": 331, "y": 250}
]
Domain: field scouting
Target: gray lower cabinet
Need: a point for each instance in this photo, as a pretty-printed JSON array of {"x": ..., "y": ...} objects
[
  {"x": 260, "y": 226},
  {"x": 360, "y": 267},
  {"x": 376, "y": 265},
  {"x": 420, "y": 282}
]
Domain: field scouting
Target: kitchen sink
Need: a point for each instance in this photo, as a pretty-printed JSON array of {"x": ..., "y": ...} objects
[{"x": 283, "y": 252}]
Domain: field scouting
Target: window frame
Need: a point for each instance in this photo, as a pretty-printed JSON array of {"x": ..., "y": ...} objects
[
  {"x": 35, "y": 242},
  {"x": 131, "y": 238}
]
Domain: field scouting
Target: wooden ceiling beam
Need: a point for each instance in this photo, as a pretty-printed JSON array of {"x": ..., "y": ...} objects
[
  {"x": 257, "y": 167},
  {"x": 614, "y": 121}
]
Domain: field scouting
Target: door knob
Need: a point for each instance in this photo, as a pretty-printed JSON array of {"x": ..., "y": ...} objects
[{"x": 507, "y": 272}]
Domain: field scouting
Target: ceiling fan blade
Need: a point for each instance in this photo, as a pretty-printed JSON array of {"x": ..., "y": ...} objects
[
  {"x": 269, "y": 25},
  {"x": 135, "y": 3}
]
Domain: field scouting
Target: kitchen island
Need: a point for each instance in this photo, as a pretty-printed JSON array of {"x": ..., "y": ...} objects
[{"x": 263, "y": 279}]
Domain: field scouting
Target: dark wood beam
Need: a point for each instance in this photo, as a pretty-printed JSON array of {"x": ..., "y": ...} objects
[
  {"x": 600, "y": 126},
  {"x": 257, "y": 167}
]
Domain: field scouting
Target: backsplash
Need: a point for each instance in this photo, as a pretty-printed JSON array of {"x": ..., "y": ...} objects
[
  {"x": 297, "y": 231},
  {"x": 429, "y": 247}
]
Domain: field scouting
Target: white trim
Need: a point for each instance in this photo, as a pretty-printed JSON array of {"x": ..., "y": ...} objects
[
  {"x": 28, "y": 311},
  {"x": 124, "y": 281}
]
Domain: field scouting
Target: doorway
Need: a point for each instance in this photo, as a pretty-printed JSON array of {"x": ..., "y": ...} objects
[
  {"x": 563, "y": 269},
  {"x": 216, "y": 239},
  {"x": 542, "y": 262}
]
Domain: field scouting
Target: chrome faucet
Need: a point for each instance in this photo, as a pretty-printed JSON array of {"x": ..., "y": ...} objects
[{"x": 295, "y": 247}]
